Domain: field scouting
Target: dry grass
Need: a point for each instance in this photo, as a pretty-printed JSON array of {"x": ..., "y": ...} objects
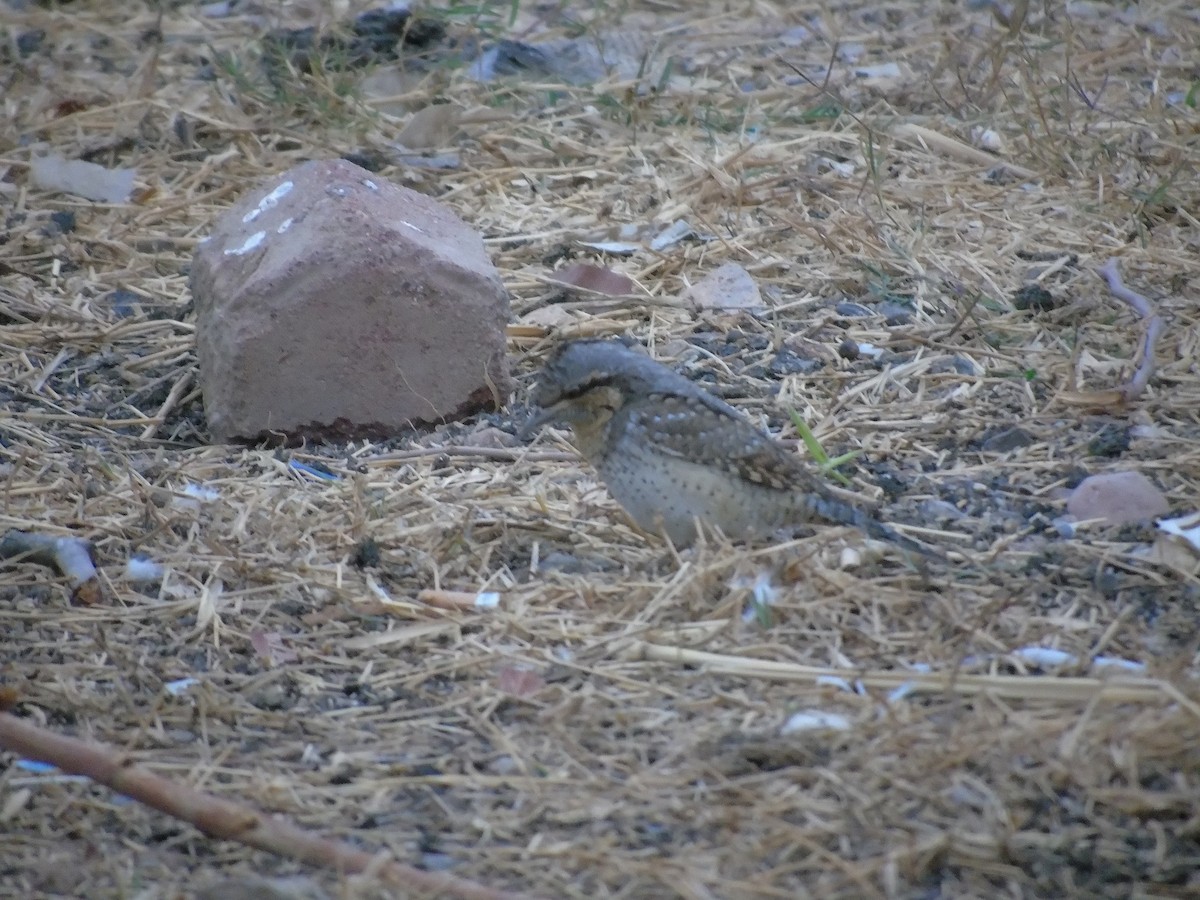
[{"x": 627, "y": 767}]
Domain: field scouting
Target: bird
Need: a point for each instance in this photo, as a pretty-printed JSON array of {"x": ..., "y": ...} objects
[{"x": 671, "y": 453}]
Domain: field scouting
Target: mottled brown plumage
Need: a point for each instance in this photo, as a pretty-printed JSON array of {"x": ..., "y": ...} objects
[{"x": 672, "y": 453}]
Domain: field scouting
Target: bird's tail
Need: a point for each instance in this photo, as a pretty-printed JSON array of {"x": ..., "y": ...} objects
[{"x": 834, "y": 509}]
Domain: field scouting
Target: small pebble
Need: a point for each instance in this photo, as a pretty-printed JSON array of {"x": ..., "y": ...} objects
[
  {"x": 30, "y": 42},
  {"x": 124, "y": 303},
  {"x": 896, "y": 313},
  {"x": 61, "y": 222},
  {"x": 853, "y": 310},
  {"x": 1110, "y": 441},
  {"x": 1118, "y": 498},
  {"x": 437, "y": 862},
  {"x": 1034, "y": 297},
  {"x": 788, "y": 363},
  {"x": 1002, "y": 440}
]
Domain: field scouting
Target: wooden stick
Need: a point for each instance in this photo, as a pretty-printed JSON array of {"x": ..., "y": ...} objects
[
  {"x": 461, "y": 600},
  {"x": 1154, "y": 325},
  {"x": 222, "y": 818},
  {"x": 1133, "y": 388}
]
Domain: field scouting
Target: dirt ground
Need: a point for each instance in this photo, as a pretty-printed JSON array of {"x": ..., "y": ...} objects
[{"x": 809, "y": 718}]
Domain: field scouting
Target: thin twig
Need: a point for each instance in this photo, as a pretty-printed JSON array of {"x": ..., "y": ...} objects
[
  {"x": 937, "y": 142},
  {"x": 222, "y": 818},
  {"x": 503, "y": 454},
  {"x": 1132, "y": 389},
  {"x": 159, "y": 417},
  {"x": 460, "y": 600}
]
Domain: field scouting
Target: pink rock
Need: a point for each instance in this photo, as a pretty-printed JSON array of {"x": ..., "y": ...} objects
[
  {"x": 1117, "y": 497},
  {"x": 331, "y": 303}
]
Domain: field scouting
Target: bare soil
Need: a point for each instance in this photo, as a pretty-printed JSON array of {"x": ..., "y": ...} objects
[{"x": 575, "y": 741}]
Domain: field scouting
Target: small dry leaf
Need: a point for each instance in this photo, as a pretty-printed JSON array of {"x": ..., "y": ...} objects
[
  {"x": 729, "y": 287},
  {"x": 1173, "y": 554},
  {"x": 144, "y": 196},
  {"x": 519, "y": 681},
  {"x": 386, "y": 88},
  {"x": 599, "y": 279},
  {"x": 69, "y": 107},
  {"x": 431, "y": 128},
  {"x": 87, "y": 594},
  {"x": 270, "y": 647},
  {"x": 551, "y": 316},
  {"x": 15, "y": 802}
]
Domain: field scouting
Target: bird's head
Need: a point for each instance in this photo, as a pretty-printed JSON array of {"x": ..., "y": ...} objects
[{"x": 585, "y": 382}]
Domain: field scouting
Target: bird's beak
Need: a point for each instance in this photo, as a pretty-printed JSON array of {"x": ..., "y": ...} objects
[{"x": 544, "y": 416}]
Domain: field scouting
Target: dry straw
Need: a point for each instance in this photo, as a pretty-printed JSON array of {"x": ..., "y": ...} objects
[{"x": 897, "y": 180}]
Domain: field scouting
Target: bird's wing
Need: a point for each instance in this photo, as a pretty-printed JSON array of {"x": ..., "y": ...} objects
[{"x": 686, "y": 428}]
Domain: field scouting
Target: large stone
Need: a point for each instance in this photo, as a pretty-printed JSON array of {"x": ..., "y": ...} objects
[{"x": 331, "y": 303}]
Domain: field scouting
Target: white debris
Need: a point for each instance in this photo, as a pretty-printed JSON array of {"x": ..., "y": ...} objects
[
  {"x": 616, "y": 248},
  {"x": 900, "y": 692},
  {"x": 487, "y": 599},
  {"x": 987, "y": 139},
  {"x": 835, "y": 681},
  {"x": 84, "y": 179},
  {"x": 251, "y": 242},
  {"x": 192, "y": 495},
  {"x": 200, "y": 492},
  {"x": 175, "y": 688},
  {"x": 883, "y": 70},
  {"x": 1186, "y": 527},
  {"x": 866, "y": 349},
  {"x": 672, "y": 234},
  {"x": 815, "y": 720},
  {"x": 1043, "y": 657},
  {"x": 271, "y": 200},
  {"x": 142, "y": 568},
  {"x": 1117, "y": 662},
  {"x": 764, "y": 593}
]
